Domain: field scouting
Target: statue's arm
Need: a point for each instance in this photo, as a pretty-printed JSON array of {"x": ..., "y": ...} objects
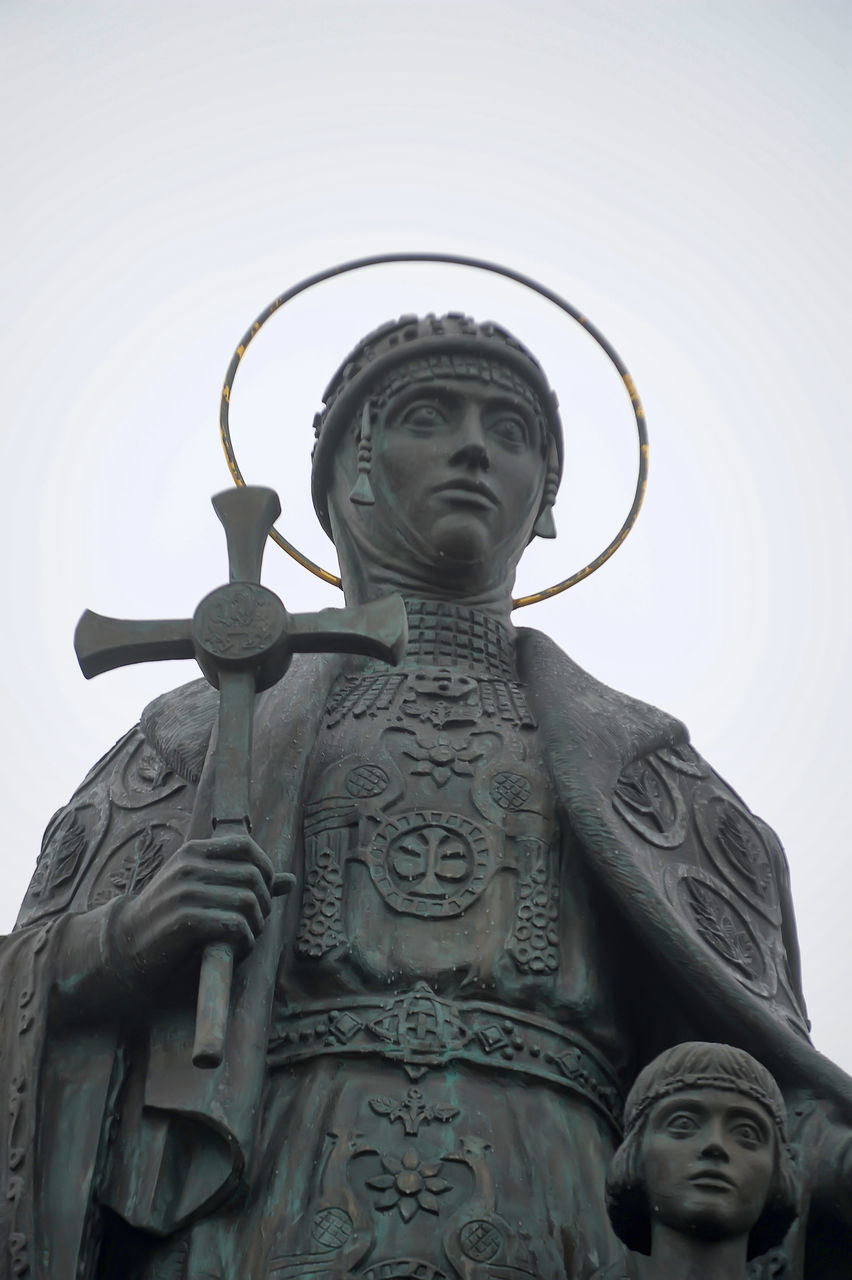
[
  {"x": 820, "y": 1130},
  {"x": 821, "y": 1146},
  {"x": 721, "y": 869},
  {"x": 136, "y": 901},
  {"x": 214, "y": 890}
]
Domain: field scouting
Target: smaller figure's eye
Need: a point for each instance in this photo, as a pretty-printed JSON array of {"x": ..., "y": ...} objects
[
  {"x": 423, "y": 415},
  {"x": 748, "y": 1134},
  {"x": 681, "y": 1124}
]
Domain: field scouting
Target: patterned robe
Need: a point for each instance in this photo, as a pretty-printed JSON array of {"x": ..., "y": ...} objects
[{"x": 429, "y": 1042}]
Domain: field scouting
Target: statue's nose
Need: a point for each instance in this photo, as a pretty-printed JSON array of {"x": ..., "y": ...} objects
[
  {"x": 473, "y": 446},
  {"x": 472, "y": 455},
  {"x": 714, "y": 1146}
]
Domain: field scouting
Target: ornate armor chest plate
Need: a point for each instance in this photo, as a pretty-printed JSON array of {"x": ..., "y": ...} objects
[{"x": 428, "y": 780}]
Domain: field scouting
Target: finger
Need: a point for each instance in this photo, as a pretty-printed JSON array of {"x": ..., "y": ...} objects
[
  {"x": 238, "y": 875},
  {"x": 282, "y": 883},
  {"x": 222, "y": 926},
  {"x": 237, "y": 848},
  {"x": 217, "y": 900}
]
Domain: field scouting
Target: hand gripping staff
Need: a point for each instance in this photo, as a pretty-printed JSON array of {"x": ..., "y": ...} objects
[{"x": 243, "y": 638}]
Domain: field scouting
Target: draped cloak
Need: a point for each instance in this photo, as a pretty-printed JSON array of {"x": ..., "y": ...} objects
[{"x": 96, "y": 1117}]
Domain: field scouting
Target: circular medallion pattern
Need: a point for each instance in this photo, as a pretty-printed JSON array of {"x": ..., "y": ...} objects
[
  {"x": 366, "y": 780},
  {"x": 510, "y": 790},
  {"x": 651, "y": 804},
  {"x": 738, "y": 850},
  {"x": 480, "y": 1240},
  {"x": 430, "y": 864},
  {"x": 134, "y": 861},
  {"x": 331, "y": 1228},
  {"x": 402, "y": 1269},
  {"x": 707, "y": 906}
]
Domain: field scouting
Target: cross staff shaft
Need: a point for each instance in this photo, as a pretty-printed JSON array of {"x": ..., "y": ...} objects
[{"x": 243, "y": 639}]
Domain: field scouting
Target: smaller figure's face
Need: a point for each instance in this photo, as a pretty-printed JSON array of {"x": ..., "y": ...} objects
[
  {"x": 463, "y": 465},
  {"x": 708, "y": 1159}
]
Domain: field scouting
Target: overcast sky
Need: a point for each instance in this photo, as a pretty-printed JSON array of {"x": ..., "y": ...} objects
[{"x": 680, "y": 171}]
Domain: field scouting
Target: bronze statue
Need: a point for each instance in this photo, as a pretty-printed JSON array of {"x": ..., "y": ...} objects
[
  {"x": 702, "y": 1182},
  {"x": 513, "y": 888}
]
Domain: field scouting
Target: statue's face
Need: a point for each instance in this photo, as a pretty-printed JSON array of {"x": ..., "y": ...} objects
[
  {"x": 708, "y": 1159},
  {"x": 461, "y": 467}
]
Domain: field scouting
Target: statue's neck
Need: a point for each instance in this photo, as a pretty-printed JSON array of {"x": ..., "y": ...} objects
[
  {"x": 378, "y": 579},
  {"x": 444, "y": 634},
  {"x": 370, "y": 572},
  {"x": 676, "y": 1256}
]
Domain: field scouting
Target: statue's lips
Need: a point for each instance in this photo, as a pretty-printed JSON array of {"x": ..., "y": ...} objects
[
  {"x": 712, "y": 1180},
  {"x": 467, "y": 490}
]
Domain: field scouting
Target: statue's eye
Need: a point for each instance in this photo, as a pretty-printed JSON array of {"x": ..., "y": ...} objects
[
  {"x": 425, "y": 415},
  {"x": 511, "y": 429}
]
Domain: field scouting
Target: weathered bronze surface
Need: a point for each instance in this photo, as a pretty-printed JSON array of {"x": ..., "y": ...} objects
[
  {"x": 243, "y": 639},
  {"x": 514, "y": 888},
  {"x": 702, "y": 1181}
]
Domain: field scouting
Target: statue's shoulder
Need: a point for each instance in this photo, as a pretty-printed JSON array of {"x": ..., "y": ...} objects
[
  {"x": 178, "y": 725},
  {"x": 561, "y": 690},
  {"x": 130, "y": 812},
  {"x": 640, "y": 795}
]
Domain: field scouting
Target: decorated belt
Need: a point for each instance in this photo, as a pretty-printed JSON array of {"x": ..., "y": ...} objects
[{"x": 420, "y": 1030}]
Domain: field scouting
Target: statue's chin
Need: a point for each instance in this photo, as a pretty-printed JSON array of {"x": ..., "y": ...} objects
[
  {"x": 461, "y": 545},
  {"x": 383, "y": 545}
]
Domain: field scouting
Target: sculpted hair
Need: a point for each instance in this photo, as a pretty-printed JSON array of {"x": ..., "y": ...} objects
[{"x": 697, "y": 1065}]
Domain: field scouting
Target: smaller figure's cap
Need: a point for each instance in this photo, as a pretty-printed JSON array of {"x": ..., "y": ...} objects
[
  {"x": 700, "y": 1065},
  {"x": 429, "y": 349}
]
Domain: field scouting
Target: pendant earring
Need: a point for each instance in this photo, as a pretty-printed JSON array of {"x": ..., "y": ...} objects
[
  {"x": 362, "y": 491},
  {"x": 545, "y": 525}
]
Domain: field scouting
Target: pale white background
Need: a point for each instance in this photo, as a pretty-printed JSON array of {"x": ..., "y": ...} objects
[{"x": 679, "y": 170}]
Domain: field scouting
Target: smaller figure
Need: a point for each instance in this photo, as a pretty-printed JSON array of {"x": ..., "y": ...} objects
[{"x": 702, "y": 1181}]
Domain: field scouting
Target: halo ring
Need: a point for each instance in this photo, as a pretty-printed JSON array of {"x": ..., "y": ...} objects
[{"x": 477, "y": 264}]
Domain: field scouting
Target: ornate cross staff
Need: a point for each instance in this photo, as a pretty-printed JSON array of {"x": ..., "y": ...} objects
[{"x": 243, "y": 639}]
